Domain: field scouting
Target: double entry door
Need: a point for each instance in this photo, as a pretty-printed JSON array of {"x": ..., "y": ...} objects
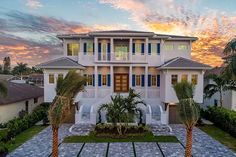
[{"x": 121, "y": 83}]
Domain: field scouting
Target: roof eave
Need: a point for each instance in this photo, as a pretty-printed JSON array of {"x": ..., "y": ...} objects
[
  {"x": 183, "y": 68},
  {"x": 61, "y": 67}
]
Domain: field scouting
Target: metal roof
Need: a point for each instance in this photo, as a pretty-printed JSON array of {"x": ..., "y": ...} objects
[
  {"x": 183, "y": 63},
  {"x": 61, "y": 63}
]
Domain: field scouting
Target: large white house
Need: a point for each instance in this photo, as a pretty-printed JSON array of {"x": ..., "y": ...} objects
[{"x": 115, "y": 61}]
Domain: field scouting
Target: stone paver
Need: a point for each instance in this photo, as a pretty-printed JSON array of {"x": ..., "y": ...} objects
[
  {"x": 81, "y": 129},
  {"x": 121, "y": 149},
  {"x": 41, "y": 144},
  {"x": 69, "y": 149},
  {"x": 94, "y": 150},
  {"x": 161, "y": 129},
  {"x": 172, "y": 149},
  {"x": 203, "y": 144},
  {"x": 147, "y": 149}
]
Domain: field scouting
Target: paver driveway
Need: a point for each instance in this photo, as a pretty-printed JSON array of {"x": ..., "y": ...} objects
[{"x": 203, "y": 146}]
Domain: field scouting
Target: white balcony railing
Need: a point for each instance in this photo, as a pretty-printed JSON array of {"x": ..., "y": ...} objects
[{"x": 115, "y": 56}]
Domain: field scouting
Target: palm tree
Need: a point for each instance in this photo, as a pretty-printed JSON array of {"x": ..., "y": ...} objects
[
  {"x": 221, "y": 84},
  {"x": 230, "y": 51},
  {"x": 66, "y": 90},
  {"x": 3, "y": 89},
  {"x": 20, "y": 69},
  {"x": 188, "y": 111}
]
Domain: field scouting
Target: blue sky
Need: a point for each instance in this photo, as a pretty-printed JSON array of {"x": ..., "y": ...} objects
[{"x": 28, "y": 27}]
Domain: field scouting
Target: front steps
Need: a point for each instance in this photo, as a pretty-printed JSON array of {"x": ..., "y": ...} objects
[
  {"x": 81, "y": 129},
  {"x": 161, "y": 129}
]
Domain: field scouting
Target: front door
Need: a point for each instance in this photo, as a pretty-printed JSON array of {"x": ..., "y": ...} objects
[{"x": 121, "y": 83}]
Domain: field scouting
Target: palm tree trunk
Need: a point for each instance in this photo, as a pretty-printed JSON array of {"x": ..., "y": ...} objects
[
  {"x": 189, "y": 141},
  {"x": 221, "y": 99},
  {"x": 55, "y": 141}
]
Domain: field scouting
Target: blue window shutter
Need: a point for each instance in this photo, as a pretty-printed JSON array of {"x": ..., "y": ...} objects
[
  {"x": 93, "y": 80},
  {"x": 158, "y": 80},
  {"x": 133, "y": 80},
  {"x": 133, "y": 48},
  {"x": 158, "y": 48},
  {"x": 108, "y": 80},
  {"x": 142, "y": 51},
  {"x": 99, "y": 80},
  {"x": 143, "y": 81},
  {"x": 149, "y": 80},
  {"x": 99, "y": 47},
  {"x": 93, "y": 48},
  {"x": 108, "y": 51},
  {"x": 85, "y": 48},
  {"x": 149, "y": 48}
]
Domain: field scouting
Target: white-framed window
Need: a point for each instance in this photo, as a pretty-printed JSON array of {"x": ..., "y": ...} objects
[
  {"x": 51, "y": 79},
  {"x": 72, "y": 49},
  {"x": 194, "y": 79},
  {"x": 169, "y": 47},
  {"x": 60, "y": 76},
  {"x": 89, "y": 80},
  {"x": 184, "y": 77},
  {"x": 182, "y": 47},
  {"x": 89, "y": 48},
  {"x": 138, "y": 80},
  {"x": 154, "y": 48},
  {"x": 104, "y": 50},
  {"x": 153, "y": 80},
  {"x": 104, "y": 80},
  {"x": 174, "y": 79}
]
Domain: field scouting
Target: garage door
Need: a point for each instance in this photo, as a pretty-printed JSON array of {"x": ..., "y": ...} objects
[{"x": 173, "y": 115}]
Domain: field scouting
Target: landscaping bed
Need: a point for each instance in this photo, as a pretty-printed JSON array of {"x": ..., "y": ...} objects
[{"x": 109, "y": 133}]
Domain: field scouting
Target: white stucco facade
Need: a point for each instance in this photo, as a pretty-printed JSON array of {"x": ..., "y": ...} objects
[
  {"x": 10, "y": 111},
  {"x": 134, "y": 59}
]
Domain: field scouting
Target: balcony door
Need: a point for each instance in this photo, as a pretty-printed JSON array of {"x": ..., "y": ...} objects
[
  {"x": 121, "y": 51},
  {"x": 121, "y": 83}
]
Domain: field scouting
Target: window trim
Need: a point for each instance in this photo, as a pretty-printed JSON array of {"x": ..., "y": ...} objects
[
  {"x": 53, "y": 77},
  {"x": 104, "y": 80},
  {"x": 182, "y": 77},
  {"x": 72, "y": 53},
  {"x": 192, "y": 76},
  {"x": 153, "y": 83},
  {"x": 175, "y": 77},
  {"x": 138, "y": 79}
]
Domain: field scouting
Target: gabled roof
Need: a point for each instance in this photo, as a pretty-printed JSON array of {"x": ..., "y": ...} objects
[
  {"x": 19, "y": 92},
  {"x": 183, "y": 63},
  {"x": 61, "y": 63}
]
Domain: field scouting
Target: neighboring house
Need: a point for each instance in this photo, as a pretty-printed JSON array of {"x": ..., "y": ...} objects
[
  {"x": 35, "y": 79},
  {"x": 229, "y": 97},
  {"x": 114, "y": 61},
  {"x": 20, "y": 97},
  {"x": 8, "y": 77}
]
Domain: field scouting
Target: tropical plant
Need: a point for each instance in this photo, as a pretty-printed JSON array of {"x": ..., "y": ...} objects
[
  {"x": 188, "y": 111},
  {"x": 122, "y": 110},
  {"x": 221, "y": 84},
  {"x": 230, "y": 51},
  {"x": 3, "y": 89},
  {"x": 6, "y": 65},
  {"x": 66, "y": 90},
  {"x": 20, "y": 69}
]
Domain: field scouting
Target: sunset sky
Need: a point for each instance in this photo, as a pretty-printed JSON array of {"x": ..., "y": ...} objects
[{"x": 28, "y": 28}]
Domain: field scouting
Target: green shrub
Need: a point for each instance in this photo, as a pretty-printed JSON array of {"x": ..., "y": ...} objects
[
  {"x": 17, "y": 125},
  {"x": 222, "y": 118},
  {"x": 3, "y": 149}
]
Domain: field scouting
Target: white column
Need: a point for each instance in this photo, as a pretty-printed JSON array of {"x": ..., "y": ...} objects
[
  {"x": 130, "y": 48},
  {"x": 96, "y": 49},
  {"x": 130, "y": 76},
  {"x": 146, "y": 49},
  {"x": 112, "y": 49},
  {"x": 146, "y": 82},
  {"x": 112, "y": 79},
  {"x": 96, "y": 80}
]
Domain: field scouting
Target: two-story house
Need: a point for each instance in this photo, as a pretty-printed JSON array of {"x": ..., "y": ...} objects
[{"x": 115, "y": 61}]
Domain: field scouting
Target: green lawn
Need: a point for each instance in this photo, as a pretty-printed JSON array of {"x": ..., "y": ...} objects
[
  {"x": 148, "y": 137},
  {"x": 220, "y": 136},
  {"x": 23, "y": 137}
]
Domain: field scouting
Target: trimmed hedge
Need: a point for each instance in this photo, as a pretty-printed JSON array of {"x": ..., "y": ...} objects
[
  {"x": 17, "y": 125},
  {"x": 222, "y": 118}
]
